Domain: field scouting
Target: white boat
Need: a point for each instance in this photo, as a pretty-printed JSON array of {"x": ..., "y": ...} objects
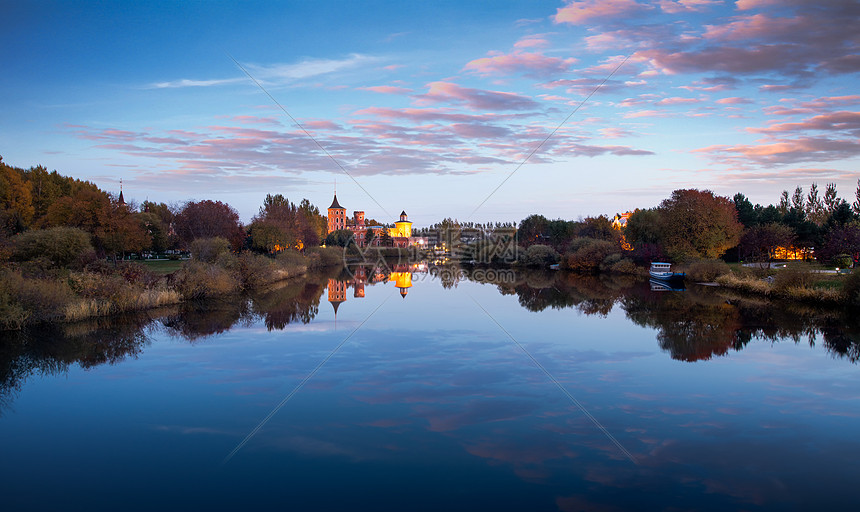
[{"x": 663, "y": 272}]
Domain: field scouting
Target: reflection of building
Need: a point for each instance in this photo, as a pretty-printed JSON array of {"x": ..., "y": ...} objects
[
  {"x": 402, "y": 279},
  {"x": 401, "y": 275},
  {"x": 336, "y": 293},
  {"x": 401, "y": 233}
]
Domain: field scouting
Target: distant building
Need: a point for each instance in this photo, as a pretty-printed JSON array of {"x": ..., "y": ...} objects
[
  {"x": 620, "y": 220},
  {"x": 401, "y": 233}
]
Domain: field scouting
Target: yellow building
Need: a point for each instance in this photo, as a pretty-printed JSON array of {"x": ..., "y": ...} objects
[{"x": 402, "y": 228}]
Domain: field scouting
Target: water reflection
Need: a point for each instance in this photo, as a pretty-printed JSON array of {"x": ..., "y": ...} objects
[
  {"x": 695, "y": 325},
  {"x": 434, "y": 401}
]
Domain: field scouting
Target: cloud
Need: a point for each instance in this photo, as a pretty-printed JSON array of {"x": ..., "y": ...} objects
[
  {"x": 678, "y": 101},
  {"x": 578, "y": 12},
  {"x": 532, "y": 41},
  {"x": 535, "y": 65},
  {"x": 308, "y": 68},
  {"x": 387, "y": 89},
  {"x": 278, "y": 73},
  {"x": 678, "y": 6},
  {"x": 735, "y": 100},
  {"x": 646, "y": 113},
  {"x": 477, "y": 99},
  {"x": 186, "y": 82},
  {"x": 836, "y": 121},
  {"x": 804, "y": 45},
  {"x": 784, "y": 151}
]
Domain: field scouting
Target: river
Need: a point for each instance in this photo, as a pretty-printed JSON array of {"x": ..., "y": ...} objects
[{"x": 438, "y": 388}]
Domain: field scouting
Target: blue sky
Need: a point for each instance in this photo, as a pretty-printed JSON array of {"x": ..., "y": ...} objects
[{"x": 431, "y": 105}]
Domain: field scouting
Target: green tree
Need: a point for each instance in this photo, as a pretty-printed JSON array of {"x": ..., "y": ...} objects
[
  {"x": 831, "y": 201},
  {"x": 643, "y": 227},
  {"x": 815, "y": 210},
  {"x": 747, "y": 214},
  {"x": 62, "y": 246}
]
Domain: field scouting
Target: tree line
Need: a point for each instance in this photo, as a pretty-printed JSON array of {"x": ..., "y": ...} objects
[{"x": 35, "y": 199}]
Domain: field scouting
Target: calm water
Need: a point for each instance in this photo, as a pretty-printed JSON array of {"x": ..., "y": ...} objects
[{"x": 539, "y": 391}]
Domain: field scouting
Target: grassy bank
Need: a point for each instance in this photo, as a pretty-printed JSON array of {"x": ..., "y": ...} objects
[
  {"x": 798, "y": 282},
  {"x": 35, "y": 292}
]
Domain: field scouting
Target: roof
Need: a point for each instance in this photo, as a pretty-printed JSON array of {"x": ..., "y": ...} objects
[
  {"x": 403, "y": 212},
  {"x": 335, "y": 204}
]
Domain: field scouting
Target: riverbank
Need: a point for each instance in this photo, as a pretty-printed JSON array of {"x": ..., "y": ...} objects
[{"x": 33, "y": 293}]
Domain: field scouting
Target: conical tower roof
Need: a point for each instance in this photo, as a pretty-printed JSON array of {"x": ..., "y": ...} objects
[{"x": 335, "y": 204}]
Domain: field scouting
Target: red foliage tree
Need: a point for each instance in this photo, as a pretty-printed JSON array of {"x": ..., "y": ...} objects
[
  {"x": 208, "y": 219},
  {"x": 698, "y": 224}
]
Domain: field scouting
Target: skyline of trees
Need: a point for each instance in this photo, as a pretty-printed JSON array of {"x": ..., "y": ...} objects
[{"x": 689, "y": 224}]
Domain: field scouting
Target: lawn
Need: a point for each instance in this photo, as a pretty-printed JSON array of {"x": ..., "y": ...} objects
[{"x": 163, "y": 266}]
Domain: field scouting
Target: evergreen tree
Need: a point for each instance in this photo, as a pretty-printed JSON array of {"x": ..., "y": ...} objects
[
  {"x": 815, "y": 211},
  {"x": 830, "y": 199}
]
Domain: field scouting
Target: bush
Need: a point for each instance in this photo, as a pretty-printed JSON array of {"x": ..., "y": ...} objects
[
  {"x": 624, "y": 266},
  {"x": 198, "y": 280},
  {"x": 851, "y": 288},
  {"x": 539, "y": 255},
  {"x": 589, "y": 257},
  {"x": 256, "y": 270},
  {"x": 60, "y": 246},
  {"x": 792, "y": 278},
  {"x": 707, "y": 270},
  {"x": 842, "y": 261},
  {"x": 324, "y": 257},
  {"x": 208, "y": 250},
  {"x": 36, "y": 300}
]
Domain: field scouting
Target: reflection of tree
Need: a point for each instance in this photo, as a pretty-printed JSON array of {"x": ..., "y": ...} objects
[
  {"x": 295, "y": 301},
  {"x": 201, "y": 319},
  {"x": 50, "y": 350},
  {"x": 694, "y": 325},
  {"x": 691, "y": 326}
]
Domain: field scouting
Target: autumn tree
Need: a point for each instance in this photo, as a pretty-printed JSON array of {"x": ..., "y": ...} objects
[
  {"x": 532, "y": 230},
  {"x": 16, "y": 201},
  {"x": 698, "y": 224},
  {"x": 209, "y": 219},
  {"x": 280, "y": 225}
]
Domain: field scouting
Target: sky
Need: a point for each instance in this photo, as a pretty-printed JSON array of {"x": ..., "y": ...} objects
[{"x": 479, "y": 111}]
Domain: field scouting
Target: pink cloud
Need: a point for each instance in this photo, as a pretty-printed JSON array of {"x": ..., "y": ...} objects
[
  {"x": 387, "y": 89},
  {"x": 836, "y": 121},
  {"x": 646, "y": 113},
  {"x": 478, "y": 99},
  {"x": 532, "y": 41},
  {"x": 256, "y": 120},
  {"x": 735, "y": 100},
  {"x": 782, "y": 151},
  {"x": 677, "y": 6},
  {"x": 530, "y": 64},
  {"x": 615, "y": 133},
  {"x": 578, "y": 12},
  {"x": 321, "y": 124},
  {"x": 585, "y": 86},
  {"x": 677, "y": 101}
]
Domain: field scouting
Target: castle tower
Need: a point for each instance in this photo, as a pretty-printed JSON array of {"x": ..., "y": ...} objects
[
  {"x": 336, "y": 216},
  {"x": 402, "y": 228},
  {"x": 359, "y": 219}
]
